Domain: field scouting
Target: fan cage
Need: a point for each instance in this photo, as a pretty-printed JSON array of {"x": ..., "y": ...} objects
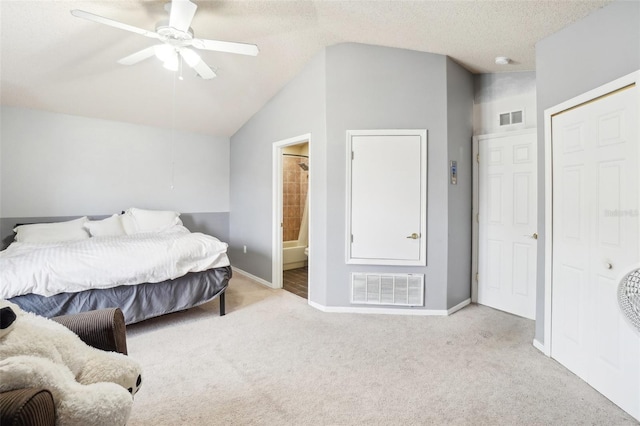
[{"x": 629, "y": 297}]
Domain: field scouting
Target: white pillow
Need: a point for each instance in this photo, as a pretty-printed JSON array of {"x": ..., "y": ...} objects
[
  {"x": 154, "y": 220},
  {"x": 109, "y": 227},
  {"x": 71, "y": 230},
  {"x": 128, "y": 223}
]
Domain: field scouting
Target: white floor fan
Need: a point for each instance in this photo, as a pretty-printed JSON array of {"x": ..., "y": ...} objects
[{"x": 177, "y": 39}]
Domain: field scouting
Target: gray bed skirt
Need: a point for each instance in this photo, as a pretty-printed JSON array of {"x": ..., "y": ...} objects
[{"x": 137, "y": 302}]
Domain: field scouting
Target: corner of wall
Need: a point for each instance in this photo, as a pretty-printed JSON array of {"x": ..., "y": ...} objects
[
  {"x": 459, "y": 195},
  {"x": 298, "y": 108}
]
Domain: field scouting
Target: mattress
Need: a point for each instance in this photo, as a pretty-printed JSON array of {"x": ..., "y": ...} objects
[{"x": 48, "y": 269}]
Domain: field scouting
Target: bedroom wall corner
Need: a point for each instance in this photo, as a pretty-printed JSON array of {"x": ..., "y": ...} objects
[
  {"x": 297, "y": 109},
  {"x": 376, "y": 87},
  {"x": 496, "y": 93},
  {"x": 459, "y": 134}
]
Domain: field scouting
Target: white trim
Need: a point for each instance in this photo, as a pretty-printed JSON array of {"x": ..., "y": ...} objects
[
  {"x": 539, "y": 346},
  {"x": 475, "y": 225},
  {"x": 458, "y": 306},
  {"x": 475, "y": 212},
  {"x": 388, "y": 311},
  {"x": 424, "y": 147},
  {"x": 548, "y": 231},
  {"x": 276, "y": 206},
  {"x": 252, "y": 277},
  {"x": 600, "y": 91}
]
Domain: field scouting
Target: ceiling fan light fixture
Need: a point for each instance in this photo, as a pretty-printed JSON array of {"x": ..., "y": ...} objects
[
  {"x": 190, "y": 57},
  {"x": 172, "y": 63},
  {"x": 164, "y": 52}
]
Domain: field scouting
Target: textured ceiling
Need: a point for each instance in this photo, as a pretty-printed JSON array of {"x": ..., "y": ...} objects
[{"x": 53, "y": 61}]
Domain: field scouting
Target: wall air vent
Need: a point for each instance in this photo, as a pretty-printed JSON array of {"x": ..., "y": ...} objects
[
  {"x": 510, "y": 118},
  {"x": 387, "y": 289}
]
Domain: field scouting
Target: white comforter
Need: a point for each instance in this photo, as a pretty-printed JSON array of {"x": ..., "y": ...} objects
[{"x": 103, "y": 262}]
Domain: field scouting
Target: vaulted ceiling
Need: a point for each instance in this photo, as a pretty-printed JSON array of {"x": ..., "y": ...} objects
[{"x": 53, "y": 61}]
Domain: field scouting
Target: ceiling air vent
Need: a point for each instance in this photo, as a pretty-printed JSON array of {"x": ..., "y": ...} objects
[
  {"x": 387, "y": 289},
  {"x": 513, "y": 117}
]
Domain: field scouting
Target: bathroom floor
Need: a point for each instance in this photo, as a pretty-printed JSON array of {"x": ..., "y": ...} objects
[{"x": 296, "y": 281}]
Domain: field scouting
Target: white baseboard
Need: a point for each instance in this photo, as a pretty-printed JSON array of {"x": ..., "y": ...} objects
[
  {"x": 458, "y": 306},
  {"x": 361, "y": 309},
  {"x": 388, "y": 311},
  {"x": 251, "y": 276}
]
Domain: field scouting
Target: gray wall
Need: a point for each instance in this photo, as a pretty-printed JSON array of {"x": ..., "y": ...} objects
[
  {"x": 459, "y": 130},
  {"x": 497, "y": 93},
  {"x": 58, "y": 165},
  {"x": 495, "y": 86},
  {"x": 211, "y": 223},
  {"x": 354, "y": 86},
  {"x": 600, "y": 48},
  {"x": 297, "y": 109},
  {"x": 373, "y": 87}
]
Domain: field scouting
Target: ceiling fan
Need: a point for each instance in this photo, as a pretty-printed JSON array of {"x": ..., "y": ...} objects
[{"x": 177, "y": 39}]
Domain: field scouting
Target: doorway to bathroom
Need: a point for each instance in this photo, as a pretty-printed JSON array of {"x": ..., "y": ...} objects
[{"x": 291, "y": 215}]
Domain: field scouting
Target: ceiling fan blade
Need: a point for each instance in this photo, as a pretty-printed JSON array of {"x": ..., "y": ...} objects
[
  {"x": 195, "y": 61},
  {"x": 106, "y": 21},
  {"x": 204, "y": 71},
  {"x": 181, "y": 15},
  {"x": 225, "y": 46},
  {"x": 139, "y": 56}
]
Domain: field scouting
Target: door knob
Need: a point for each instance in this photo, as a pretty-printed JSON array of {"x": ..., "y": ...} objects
[
  {"x": 414, "y": 236},
  {"x": 608, "y": 265},
  {"x": 534, "y": 235}
]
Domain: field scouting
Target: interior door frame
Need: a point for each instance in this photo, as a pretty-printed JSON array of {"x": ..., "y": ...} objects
[
  {"x": 592, "y": 95},
  {"x": 475, "y": 222},
  {"x": 277, "y": 197}
]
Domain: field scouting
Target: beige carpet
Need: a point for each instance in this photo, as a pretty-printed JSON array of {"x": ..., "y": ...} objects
[{"x": 274, "y": 360}]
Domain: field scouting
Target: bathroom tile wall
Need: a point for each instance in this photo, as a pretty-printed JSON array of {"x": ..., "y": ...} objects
[{"x": 294, "y": 188}]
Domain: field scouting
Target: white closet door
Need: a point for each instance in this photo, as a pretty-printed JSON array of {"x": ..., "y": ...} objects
[{"x": 595, "y": 242}]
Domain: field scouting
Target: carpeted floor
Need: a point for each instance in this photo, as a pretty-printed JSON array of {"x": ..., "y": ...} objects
[{"x": 274, "y": 360}]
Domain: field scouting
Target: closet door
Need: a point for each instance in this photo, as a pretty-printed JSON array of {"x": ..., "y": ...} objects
[
  {"x": 595, "y": 242},
  {"x": 386, "y": 197}
]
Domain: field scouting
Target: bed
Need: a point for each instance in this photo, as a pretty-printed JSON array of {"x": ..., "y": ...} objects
[{"x": 144, "y": 262}]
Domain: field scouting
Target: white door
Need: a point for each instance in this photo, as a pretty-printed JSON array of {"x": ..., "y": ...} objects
[
  {"x": 387, "y": 191},
  {"x": 507, "y": 222},
  {"x": 595, "y": 242}
]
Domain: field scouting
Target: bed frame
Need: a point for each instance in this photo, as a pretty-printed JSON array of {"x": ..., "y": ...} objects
[{"x": 138, "y": 302}]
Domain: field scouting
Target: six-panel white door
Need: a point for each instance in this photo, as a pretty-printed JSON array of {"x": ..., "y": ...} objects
[
  {"x": 507, "y": 222},
  {"x": 595, "y": 242}
]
